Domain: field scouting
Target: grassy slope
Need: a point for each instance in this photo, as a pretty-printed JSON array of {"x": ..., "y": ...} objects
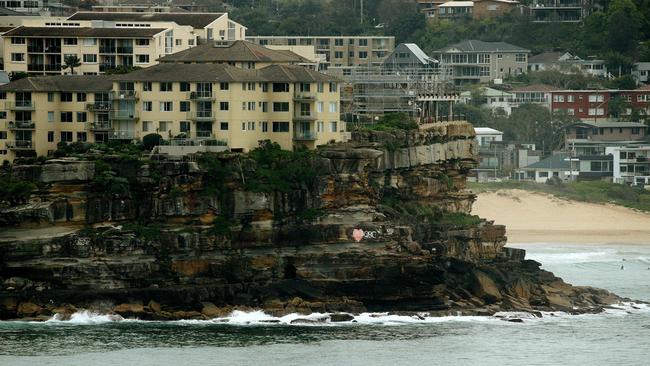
[{"x": 596, "y": 192}]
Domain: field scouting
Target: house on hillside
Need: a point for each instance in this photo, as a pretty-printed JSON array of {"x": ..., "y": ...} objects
[
  {"x": 496, "y": 100},
  {"x": 557, "y": 11},
  {"x": 409, "y": 56},
  {"x": 551, "y": 61},
  {"x": 476, "y": 9},
  {"x": 560, "y": 165},
  {"x": 630, "y": 165},
  {"x": 641, "y": 71},
  {"x": 592, "y": 138}
]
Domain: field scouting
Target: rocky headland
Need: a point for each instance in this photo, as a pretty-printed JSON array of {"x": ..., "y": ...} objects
[{"x": 380, "y": 223}]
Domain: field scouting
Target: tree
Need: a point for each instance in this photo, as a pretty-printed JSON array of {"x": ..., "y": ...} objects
[
  {"x": 151, "y": 140},
  {"x": 624, "y": 23},
  {"x": 15, "y": 191},
  {"x": 71, "y": 61},
  {"x": 617, "y": 106},
  {"x": 17, "y": 75}
]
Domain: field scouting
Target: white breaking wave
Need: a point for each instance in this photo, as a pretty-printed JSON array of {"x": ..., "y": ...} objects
[
  {"x": 570, "y": 258},
  {"x": 85, "y": 317}
]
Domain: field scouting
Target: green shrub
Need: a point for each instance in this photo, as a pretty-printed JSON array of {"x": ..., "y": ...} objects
[
  {"x": 151, "y": 140},
  {"x": 15, "y": 191}
]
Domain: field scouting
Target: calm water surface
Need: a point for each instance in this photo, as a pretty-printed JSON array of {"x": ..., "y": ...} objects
[{"x": 619, "y": 337}]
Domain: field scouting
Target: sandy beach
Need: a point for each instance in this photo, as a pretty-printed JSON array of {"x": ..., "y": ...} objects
[{"x": 539, "y": 218}]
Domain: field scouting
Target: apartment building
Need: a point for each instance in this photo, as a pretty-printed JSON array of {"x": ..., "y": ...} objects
[
  {"x": 338, "y": 51},
  {"x": 39, "y": 112},
  {"x": 472, "y": 9},
  {"x": 592, "y": 138},
  {"x": 241, "y": 54},
  {"x": 563, "y": 11},
  {"x": 475, "y": 61},
  {"x": 42, "y": 49},
  {"x": 206, "y": 26},
  {"x": 630, "y": 165},
  {"x": 207, "y": 103}
]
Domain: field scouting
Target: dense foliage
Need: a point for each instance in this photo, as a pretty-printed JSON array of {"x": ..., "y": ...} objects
[{"x": 14, "y": 191}]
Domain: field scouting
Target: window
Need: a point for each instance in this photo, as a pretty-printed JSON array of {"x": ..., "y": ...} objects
[
  {"x": 363, "y": 54},
  {"x": 265, "y": 126},
  {"x": 69, "y": 41},
  {"x": 166, "y": 106},
  {"x": 90, "y": 41},
  {"x": 596, "y": 166},
  {"x": 223, "y": 86},
  {"x": 332, "y": 107},
  {"x": 248, "y": 86},
  {"x": 50, "y": 97},
  {"x": 636, "y": 130},
  {"x": 320, "y": 87},
  {"x": 223, "y": 106},
  {"x": 66, "y": 97},
  {"x": 520, "y": 57},
  {"x": 223, "y": 126},
  {"x": 90, "y": 58},
  {"x": 280, "y": 107},
  {"x": 66, "y": 116},
  {"x": 339, "y": 54},
  {"x": 558, "y": 98},
  {"x": 543, "y": 174},
  {"x": 596, "y": 111},
  {"x": 185, "y": 86},
  {"x": 250, "y": 126},
  {"x": 66, "y": 136},
  {"x": 320, "y": 126},
  {"x": 146, "y": 86},
  {"x": 81, "y": 97},
  {"x": 333, "y": 88},
  {"x": 18, "y": 57},
  {"x": 338, "y": 42},
  {"x": 483, "y": 58},
  {"x": 595, "y": 98},
  {"x": 280, "y": 87},
  {"x": 363, "y": 42},
  {"x": 320, "y": 106},
  {"x": 185, "y": 126},
  {"x": 3, "y": 135},
  {"x": 50, "y": 116},
  {"x": 265, "y": 106},
  {"x": 571, "y": 112},
  {"x": 280, "y": 126},
  {"x": 3, "y": 115},
  {"x": 265, "y": 87},
  {"x": 82, "y": 137},
  {"x": 141, "y": 42},
  {"x": 179, "y": 42},
  {"x": 333, "y": 126},
  {"x": 164, "y": 126},
  {"x": 166, "y": 86},
  {"x": 141, "y": 59},
  {"x": 50, "y": 136},
  {"x": 82, "y": 117},
  {"x": 147, "y": 106},
  {"x": 146, "y": 126},
  {"x": 17, "y": 40},
  {"x": 185, "y": 106}
]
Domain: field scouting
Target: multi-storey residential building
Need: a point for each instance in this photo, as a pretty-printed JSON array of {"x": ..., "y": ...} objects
[
  {"x": 242, "y": 54},
  {"x": 39, "y": 112},
  {"x": 152, "y": 6},
  {"x": 206, "y": 26},
  {"x": 630, "y": 164},
  {"x": 591, "y": 138},
  {"x": 544, "y": 11},
  {"x": 473, "y": 9},
  {"x": 23, "y": 6},
  {"x": 291, "y": 105},
  {"x": 475, "y": 61},
  {"x": 100, "y": 47},
  {"x": 338, "y": 50}
]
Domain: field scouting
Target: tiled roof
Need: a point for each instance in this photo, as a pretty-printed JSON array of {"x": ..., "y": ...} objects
[
  {"x": 554, "y": 162},
  {"x": 81, "y": 83},
  {"x": 83, "y": 32},
  {"x": 481, "y": 46},
  {"x": 196, "y": 20},
  {"x": 212, "y": 72},
  {"x": 236, "y": 51}
]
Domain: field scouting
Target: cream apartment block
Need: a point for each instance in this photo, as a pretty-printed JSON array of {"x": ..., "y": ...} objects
[
  {"x": 206, "y": 26},
  {"x": 338, "y": 51},
  {"x": 202, "y": 103}
]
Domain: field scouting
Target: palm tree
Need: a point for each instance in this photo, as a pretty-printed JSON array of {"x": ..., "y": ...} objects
[{"x": 71, "y": 61}]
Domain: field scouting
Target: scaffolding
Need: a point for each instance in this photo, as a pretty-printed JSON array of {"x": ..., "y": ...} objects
[{"x": 372, "y": 91}]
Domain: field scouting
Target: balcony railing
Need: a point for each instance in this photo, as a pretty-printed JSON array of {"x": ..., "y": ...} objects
[
  {"x": 204, "y": 134},
  {"x": 22, "y": 125},
  {"x": 107, "y": 67},
  {"x": 122, "y": 115},
  {"x": 122, "y": 135},
  {"x": 25, "y": 105},
  {"x": 304, "y": 96},
  {"x": 99, "y": 126},
  {"x": 124, "y": 50},
  {"x": 304, "y": 135},
  {"x": 41, "y": 49},
  {"x": 124, "y": 94},
  {"x": 99, "y": 106},
  {"x": 200, "y": 116},
  {"x": 305, "y": 116},
  {"x": 200, "y": 95},
  {"x": 20, "y": 145},
  {"x": 107, "y": 49}
]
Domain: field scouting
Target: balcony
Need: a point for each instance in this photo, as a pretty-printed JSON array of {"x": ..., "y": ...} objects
[
  {"x": 20, "y": 105},
  {"x": 204, "y": 134},
  {"x": 107, "y": 67},
  {"x": 22, "y": 125},
  {"x": 41, "y": 49},
  {"x": 124, "y": 95},
  {"x": 121, "y": 115},
  {"x": 99, "y": 107},
  {"x": 304, "y": 116},
  {"x": 201, "y": 116},
  {"x": 304, "y": 136},
  {"x": 304, "y": 96},
  {"x": 99, "y": 126},
  {"x": 200, "y": 95},
  {"x": 123, "y": 135},
  {"x": 107, "y": 49},
  {"x": 20, "y": 145},
  {"x": 124, "y": 50}
]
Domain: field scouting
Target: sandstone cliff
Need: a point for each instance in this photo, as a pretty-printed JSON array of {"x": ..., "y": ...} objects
[{"x": 377, "y": 224}]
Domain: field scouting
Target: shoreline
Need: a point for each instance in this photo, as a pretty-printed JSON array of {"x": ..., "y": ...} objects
[{"x": 539, "y": 218}]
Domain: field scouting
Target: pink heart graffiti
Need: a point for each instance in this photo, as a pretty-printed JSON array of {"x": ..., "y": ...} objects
[{"x": 357, "y": 234}]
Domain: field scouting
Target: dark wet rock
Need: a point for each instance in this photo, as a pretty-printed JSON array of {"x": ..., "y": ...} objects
[{"x": 341, "y": 317}]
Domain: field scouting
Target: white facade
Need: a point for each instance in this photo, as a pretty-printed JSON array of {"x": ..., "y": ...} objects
[
  {"x": 631, "y": 165},
  {"x": 485, "y": 136},
  {"x": 641, "y": 72}
]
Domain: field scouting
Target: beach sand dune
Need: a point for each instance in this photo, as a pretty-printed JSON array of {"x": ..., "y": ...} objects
[{"x": 540, "y": 218}]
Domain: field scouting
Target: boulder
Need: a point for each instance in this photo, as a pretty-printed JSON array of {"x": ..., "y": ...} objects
[
  {"x": 341, "y": 317},
  {"x": 485, "y": 288},
  {"x": 26, "y": 309},
  {"x": 129, "y": 310}
]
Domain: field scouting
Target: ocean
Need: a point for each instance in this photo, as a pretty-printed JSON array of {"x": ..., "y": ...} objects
[{"x": 617, "y": 337}]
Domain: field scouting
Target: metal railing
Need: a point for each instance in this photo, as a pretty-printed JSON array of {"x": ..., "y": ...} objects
[
  {"x": 124, "y": 94},
  {"x": 20, "y": 145},
  {"x": 198, "y": 95},
  {"x": 20, "y": 104},
  {"x": 22, "y": 125},
  {"x": 99, "y": 106},
  {"x": 304, "y": 96},
  {"x": 99, "y": 125},
  {"x": 304, "y": 115},
  {"x": 201, "y": 115},
  {"x": 304, "y": 135},
  {"x": 122, "y": 135},
  {"x": 124, "y": 115}
]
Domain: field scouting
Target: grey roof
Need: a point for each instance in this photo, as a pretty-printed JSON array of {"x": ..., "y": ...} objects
[
  {"x": 236, "y": 51},
  {"x": 68, "y": 83},
  {"x": 196, "y": 20},
  {"x": 417, "y": 52},
  {"x": 545, "y": 58},
  {"x": 6, "y": 29},
  {"x": 553, "y": 162},
  {"x": 481, "y": 46},
  {"x": 83, "y": 32},
  {"x": 213, "y": 72},
  {"x": 606, "y": 124}
]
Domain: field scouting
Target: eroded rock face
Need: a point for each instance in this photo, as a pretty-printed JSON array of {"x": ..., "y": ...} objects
[{"x": 346, "y": 243}]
